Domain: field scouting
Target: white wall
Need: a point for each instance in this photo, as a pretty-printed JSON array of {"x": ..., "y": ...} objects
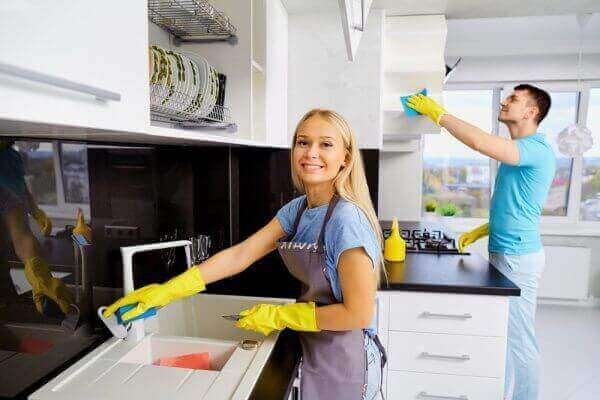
[{"x": 320, "y": 75}]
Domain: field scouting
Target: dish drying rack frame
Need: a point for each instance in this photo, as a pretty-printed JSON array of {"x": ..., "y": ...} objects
[
  {"x": 218, "y": 117},
  {"x": 192, "y": 21}
]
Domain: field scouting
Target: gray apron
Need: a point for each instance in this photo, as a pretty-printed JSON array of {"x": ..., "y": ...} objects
[{"x": 334, "y": 364}]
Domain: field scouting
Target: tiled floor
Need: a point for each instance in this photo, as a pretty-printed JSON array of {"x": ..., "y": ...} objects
[{"x": 569, "y": 339}]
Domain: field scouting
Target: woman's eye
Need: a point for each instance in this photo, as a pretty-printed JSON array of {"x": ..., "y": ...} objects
[
  {"x": 327, "y": 144},
  {"x": 301, "y": 142}
]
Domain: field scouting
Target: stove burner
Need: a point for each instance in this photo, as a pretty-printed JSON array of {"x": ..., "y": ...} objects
[{"x": 425, "y": 241}]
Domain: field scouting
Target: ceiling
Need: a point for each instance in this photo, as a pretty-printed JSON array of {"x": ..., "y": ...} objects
[{"x": 458, "y": 9}]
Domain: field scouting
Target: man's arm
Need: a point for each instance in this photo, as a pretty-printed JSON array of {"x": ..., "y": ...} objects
[{"x": 496, "y": 147}]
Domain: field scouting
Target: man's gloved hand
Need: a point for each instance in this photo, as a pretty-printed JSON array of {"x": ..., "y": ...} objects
[
  {"x": 265, "y": 318},
  {"x": 43, "y": 221},
  {"x": 159, "y": 295},
  {"x": 44, "y": 284},
  {"x": 426, "y": 106},
  {"x": 469, "y": 237}
]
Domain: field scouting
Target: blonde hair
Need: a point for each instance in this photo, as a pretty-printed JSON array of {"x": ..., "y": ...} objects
[{"x": 350, "y": 183}]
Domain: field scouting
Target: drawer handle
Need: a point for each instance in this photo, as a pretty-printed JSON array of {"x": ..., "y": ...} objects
[
  {"x": 30, "y": 75},
  {"x": 464, "y": 357},
  {"x": 425, "y": 395},
  {"x": 428, "y": 314}
]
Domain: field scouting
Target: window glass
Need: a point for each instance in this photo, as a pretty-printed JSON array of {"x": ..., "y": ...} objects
[
  {"x": 452, "y": 172},
  {"x": 590, "y": 179},
  {"x": 38, "y": 160},
  {"x": 73, "y": 164}
]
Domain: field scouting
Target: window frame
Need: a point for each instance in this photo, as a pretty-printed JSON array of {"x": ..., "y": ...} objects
[{"x": 548, "y": 224}]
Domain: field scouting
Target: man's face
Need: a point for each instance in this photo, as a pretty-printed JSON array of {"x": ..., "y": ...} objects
[{"x": 517, "y": 107}]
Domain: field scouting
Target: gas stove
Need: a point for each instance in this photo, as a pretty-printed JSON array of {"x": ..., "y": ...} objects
[{"x": 426, "y": 241}]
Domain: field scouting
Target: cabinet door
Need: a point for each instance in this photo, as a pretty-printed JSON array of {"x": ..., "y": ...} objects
[
  {"x": 79, "y": 43},
  {"x": 354, "y": 18}
]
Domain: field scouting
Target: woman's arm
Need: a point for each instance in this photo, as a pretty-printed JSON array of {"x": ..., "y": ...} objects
[
  {"x": 237, "y": 258},
  {"x": 359, "y": 285}
]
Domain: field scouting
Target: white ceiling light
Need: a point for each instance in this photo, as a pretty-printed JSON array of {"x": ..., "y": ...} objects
[{"x": 576, "y": 139}]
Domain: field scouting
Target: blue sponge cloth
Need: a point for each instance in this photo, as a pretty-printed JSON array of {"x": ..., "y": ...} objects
[
  {"x": 148, "y": 313},
  {"x": 407, "y": 110}
]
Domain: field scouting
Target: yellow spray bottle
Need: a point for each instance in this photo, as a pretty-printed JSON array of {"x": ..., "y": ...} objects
[{"x": 395, "y": 246}]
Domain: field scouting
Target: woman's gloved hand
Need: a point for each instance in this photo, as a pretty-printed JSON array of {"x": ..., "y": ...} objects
[
  {"x": 159, "y": 295},
  {"x": 470, "y": 237},
  {"x": 265, "y": 318},
  {"x": 426, "y": 106},
  {"x": 43, "y": 221},
  {"x": 44, "y": 284}
]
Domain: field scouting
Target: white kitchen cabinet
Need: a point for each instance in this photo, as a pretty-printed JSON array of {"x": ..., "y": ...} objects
[
  {"x": 256, "y": 68},
  {"x": 413, "y": 60},
  {"x": 443, "y": 344},
  {"x": 319, "y": 76},
  {"x": 87, "y": 43}
]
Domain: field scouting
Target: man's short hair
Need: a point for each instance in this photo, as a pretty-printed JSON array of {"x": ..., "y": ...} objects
[{"x": 540, "y": 97}]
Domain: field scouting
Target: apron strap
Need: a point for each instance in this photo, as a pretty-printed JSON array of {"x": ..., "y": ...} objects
[
  {"x": 297, "y": 221},
  {"x": 332, "y": 204}
]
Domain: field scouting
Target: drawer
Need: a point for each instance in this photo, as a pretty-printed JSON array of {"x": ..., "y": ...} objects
[
  {"x": 449, "y": 313},
  {"x": 414, "y": 385},
  {"x": 447, "y": 354}
]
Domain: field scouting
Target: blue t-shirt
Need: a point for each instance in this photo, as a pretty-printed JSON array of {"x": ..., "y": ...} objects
[
  {"x": 519, "y": 195},
  {"x": 348, "y": 228}
]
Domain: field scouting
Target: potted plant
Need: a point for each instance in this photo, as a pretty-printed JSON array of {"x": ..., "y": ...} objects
[
  {"x": 448, "y": 211},
  {"x": 430, "y": 207}
]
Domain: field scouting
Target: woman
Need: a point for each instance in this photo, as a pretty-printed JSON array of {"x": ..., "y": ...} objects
[{"x": 330, "y": 240}]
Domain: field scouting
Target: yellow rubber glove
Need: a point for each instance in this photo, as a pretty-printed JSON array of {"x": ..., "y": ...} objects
[
  {"x": 472, "y": 236},
  {"x": 426, "y": 106},
  {"x": 81, "y": 227},
  {"x": 43, "y": 221},
  {"x": 265, "y": 318},
  {"x": 43, "y": 284},
  {"x": 159, "y": 295}
]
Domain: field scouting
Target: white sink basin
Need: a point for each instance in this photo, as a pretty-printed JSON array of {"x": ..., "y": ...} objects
[{"x": 124, "y": 368}]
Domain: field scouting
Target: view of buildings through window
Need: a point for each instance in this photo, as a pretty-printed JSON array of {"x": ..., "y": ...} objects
[
  {"x": 590, "y": 179},
  {"x": 452, "y": 172},
  {"x": 38, "y": 161}
]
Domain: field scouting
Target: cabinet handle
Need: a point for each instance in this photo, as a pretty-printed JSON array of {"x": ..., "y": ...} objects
[
  {"x": 425, "y": 395},
  {"x": 464, "y": 357},
  {"x": 428, "y": 314},
  {"x": 35, "y": 76}
]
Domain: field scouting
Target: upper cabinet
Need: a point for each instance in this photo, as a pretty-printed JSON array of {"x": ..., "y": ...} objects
[
  {"x": 73, "y": 63},
  {"x": 354, "y": 15},
  {"x": 413, "y": 60},
  {"x": 319, "y": 74}
]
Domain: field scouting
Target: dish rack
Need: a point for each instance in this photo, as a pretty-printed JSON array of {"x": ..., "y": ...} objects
[
  {"x": 192, "y": 20},
  {"x": 219, "y": 116}
]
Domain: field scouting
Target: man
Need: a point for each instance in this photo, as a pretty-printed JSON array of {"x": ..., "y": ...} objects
[{"x": 527, "y": 166}]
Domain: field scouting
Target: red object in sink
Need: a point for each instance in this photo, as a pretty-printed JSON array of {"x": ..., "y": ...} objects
[
  {"x": 34, "y": 346},
  {"x": 191, "y": 361}
]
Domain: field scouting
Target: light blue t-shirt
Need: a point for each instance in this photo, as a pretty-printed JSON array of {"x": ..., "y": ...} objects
[
  {"x": 348, "y": 228},
  {"x": 519, "y": 195}
]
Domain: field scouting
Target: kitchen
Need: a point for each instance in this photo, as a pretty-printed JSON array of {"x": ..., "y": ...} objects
[{"x": 144, "y": 170}]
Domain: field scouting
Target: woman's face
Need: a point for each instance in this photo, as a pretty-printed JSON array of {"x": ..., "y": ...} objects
[{"x": 319, "y": 152}]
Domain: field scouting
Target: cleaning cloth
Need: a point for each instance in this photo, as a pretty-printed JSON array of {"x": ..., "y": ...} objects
[
  {"x": 407, "y": 110},
  {"x": 190, "y": 361}
]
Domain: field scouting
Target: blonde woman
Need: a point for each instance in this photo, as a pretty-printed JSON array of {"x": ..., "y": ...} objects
[{"x": 330, "y": 240}]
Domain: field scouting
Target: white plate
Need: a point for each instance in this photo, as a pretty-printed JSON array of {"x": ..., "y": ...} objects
[
  {"x": 188, "y": 87},
  {"x": 161, "y": 86},
  {"x": 173, "y": 99},
  {"x": 202, "y": 68}
]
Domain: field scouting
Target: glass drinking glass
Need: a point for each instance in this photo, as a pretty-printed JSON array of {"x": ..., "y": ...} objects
[{"x": 200, "y": 246}]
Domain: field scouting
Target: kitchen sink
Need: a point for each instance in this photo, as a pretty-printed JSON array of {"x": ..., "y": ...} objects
[{"x": 126, "y": 368}]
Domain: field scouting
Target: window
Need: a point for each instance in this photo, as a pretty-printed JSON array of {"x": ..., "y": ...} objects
[
  {"x": 57, "y": 176},
  {"x": 452, "y": 172},
  {"x": 590, "y": 176},
  {"x": 38, "y": 161},
  {"x": 562, "y": 113}
]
